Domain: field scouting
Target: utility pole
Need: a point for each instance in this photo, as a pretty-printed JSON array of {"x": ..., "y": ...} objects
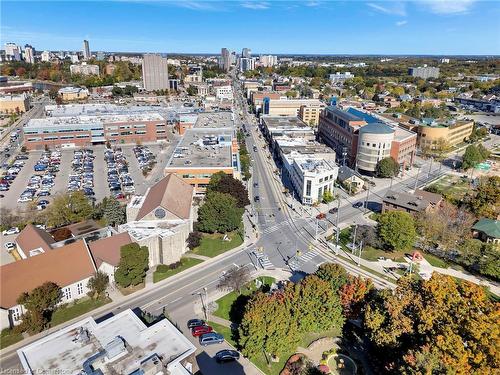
[
  {"x": 416, "y": 177},
  {"x": 430, "y": 167},
  {"x": 392, "y": 179},
  {"x": 354, "y": 238},
  {"x": 366, "y": 200},
  {"x": 359, "y": 254},
  {"x": 316, "y": 231}
]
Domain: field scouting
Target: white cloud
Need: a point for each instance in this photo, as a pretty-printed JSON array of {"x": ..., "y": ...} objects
[
  {"x": 448, "y": 6},
  {"x": 396, "y": 8},
  {"x": 256, "y": 5},
  {"x": 401, "y": 23},
  {"x": 197, "y": 5},
  {"x": 313, "y": 4}
]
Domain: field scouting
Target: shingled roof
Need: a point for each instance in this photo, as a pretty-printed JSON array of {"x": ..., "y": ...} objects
[
  {"x": 171, "y": 193},
  {"x": 32, "y": 238}
]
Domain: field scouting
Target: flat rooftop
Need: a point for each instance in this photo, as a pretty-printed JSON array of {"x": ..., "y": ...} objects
[
  {"x": 284, "y": 122},
  {"x": 66, "y": 350},
  {"x": 315, "y": 165},
  {"x": 101, "y": 119},
  {"x": 215, "y": 120},
  {"x": 302, "y": 146},
  {"x": 203, "y": 148},
  {"x": 139, "y": 230}
]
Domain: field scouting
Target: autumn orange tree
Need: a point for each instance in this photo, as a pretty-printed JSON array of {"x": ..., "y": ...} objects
[
  {"x": 435, "y": 327},
  {"x": 353, "y": 294}
]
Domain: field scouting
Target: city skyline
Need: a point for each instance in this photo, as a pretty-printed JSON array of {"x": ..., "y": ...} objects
[{"x": 284, "y": 27}]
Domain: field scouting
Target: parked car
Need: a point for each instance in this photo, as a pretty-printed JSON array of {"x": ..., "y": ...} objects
[
  {"x": 195, "y": 323},
  {"x": 13, "y": 230},
  {"x": 201, "y": 330},
  {"x": 227, "y": 355},
  {"x": 256, "y": 198},
  {"x": 333, "y": 210},
  {"x": 358, "y": 205},
  {"x": 9, "y": 246},
  {"x": 211, "y": 338}
]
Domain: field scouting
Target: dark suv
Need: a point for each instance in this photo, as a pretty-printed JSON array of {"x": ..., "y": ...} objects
[{"x": 227, "y": 356}]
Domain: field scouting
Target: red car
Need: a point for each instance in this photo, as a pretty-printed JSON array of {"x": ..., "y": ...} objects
[{"x": 201, "y": 330}]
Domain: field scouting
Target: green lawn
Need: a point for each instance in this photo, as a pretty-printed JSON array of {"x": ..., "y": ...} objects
[
  {"x": 212, "y": 245},
  {"x": 435, "y": 261},
  {"x": 224, "y": 331},
  {"x": 9, "y": 337},
  {"x": 72, "y": 310},
  {"x": 224, "y": 303},
  {"x": 451, "y": 187},
  {"x": 185, "y": 264},
  {"x": 372, "y": 254}
]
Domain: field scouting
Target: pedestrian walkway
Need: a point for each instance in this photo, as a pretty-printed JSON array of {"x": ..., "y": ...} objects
[
  {"x": 296, "y": 263},
  {"x": 221, "y": 321},
  {"x": 196, "y": 256}
]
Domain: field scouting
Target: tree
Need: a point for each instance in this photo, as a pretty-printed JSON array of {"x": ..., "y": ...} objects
[
  {"x": 387, "y": 167},
  {"x": 353, "y": 294},
  {"x": 445, "y": 227},
  {"x": 113, "y": 211},
  {"x": 68, "y": 208},
  {"x": 225, "y": 183},
  {"x": 234, "y": 279},
  {"x": 441, "y": 148},
  {"x": 98, "y": 284},
  {"x": 472, "y": 157},
  {"x": 40, "y": 304},
  {"x": 334, "y": 274},
  {"x": 291, "y": 94},
  {"x": 328, "y": 197},
  {"x": 315, "y": 305},
  {"x": 8, "y": 218},
  {"x": 434, "y": 326},
  {"x": 133, "y": 265},
  {"x": 267, "y": 326},
  {"x": 489, "y": 263},
  {"x": 219, "y": 213},
  {"x": 369, "y": 235},
  {"x": 397, "y": 230},
  {"x": 192, "y": 90},
  {"x": 485, "y": 200},
  {"x": 194, "y": 240}
]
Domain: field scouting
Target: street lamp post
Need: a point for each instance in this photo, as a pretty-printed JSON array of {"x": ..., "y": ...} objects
[
  {"x": 337, "y": 227},
  {"x": 354, "y": 238},
  {"x": 359, "y": 254},
  {"x": 416, "y": 177},
  {"x": 366, "y": 200}
]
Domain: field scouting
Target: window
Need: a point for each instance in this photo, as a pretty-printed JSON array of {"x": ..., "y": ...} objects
[
  {"x": 16, "y": 313},
  {"x": 67, "y": 293},
  {"x": 308, "y": 187},
  {"x": 79, "y": 288}
]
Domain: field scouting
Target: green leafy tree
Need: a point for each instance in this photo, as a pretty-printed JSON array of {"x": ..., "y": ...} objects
[
  {"x": 68, "y": 208},
  {"x": 219, "y": 213},
  {"x": 113, "y": 211},
  {"x": 39, "y": 303},
  {"x": 332, "y": 273},
  {"x": 472, "y": 157},
  {"x": 133, "y": 265},
  {"x": 194, "y": 240},
  {"x": 387, "y": 167},
  {"x": 489, "y": 263},
  {"x": 267, "y": 327},
  {"x": 316, "y": 306},
  {"x": 98, "y": 284},
  {"x": 328, "y": 197},
  {"x": 225, "y": 183},
  {"x": 192, "y": 90},
  {"x": 397, "y": 230}
]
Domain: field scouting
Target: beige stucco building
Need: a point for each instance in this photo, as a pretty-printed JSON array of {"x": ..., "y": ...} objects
[
  {"x": 14, "y": 103},
  {"x": 69, "y": 94}
]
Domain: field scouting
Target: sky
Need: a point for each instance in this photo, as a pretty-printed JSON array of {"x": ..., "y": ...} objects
[{"x": 434, "y": 27}]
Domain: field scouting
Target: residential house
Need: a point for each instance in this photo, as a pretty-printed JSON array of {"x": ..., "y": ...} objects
[
  {"x": 487, "y": 230},
  {"x": 417, "y": 202}
]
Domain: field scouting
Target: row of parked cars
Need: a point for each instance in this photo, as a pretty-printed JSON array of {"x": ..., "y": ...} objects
[
  {"x": 12, "y": 170},
  {"x": 207, "y": 336},
  {"x": 82, "y": 176},
  {"x": 145, "y": 158},
  {"x": 119, "y": 180},
  {"x": 40, "y": 184}
]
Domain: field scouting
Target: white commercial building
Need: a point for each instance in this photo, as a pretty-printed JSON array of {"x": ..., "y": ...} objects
[
  {"x": 223, "y": 92},
  {"x": 84, "y": 69},
  {"x": 312, "y": 177},
  {"x": 120, "y": 344}
]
